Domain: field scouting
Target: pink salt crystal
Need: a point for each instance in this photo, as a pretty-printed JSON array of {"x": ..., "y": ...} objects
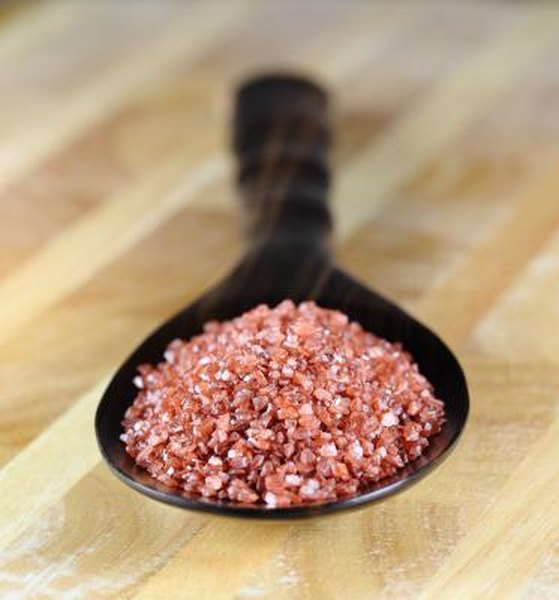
[
  {"x": 303, "y": 328},
  {"x": 214, "y": 482},
  {"x": 322, "y": 394},
  {"x": 328, "y": 450},
  {"x": 340, "y": 471},
  {"x": 274, "y": 483},
  {"x": 288, "y": 449},
  {"x": 307, "y": 456},
  {"x": 270, "y": 499},
  {"x": 304, "y": 381},
  {"x": 294, "y": 480},
  {"x": 309, "y": 422},
  {"x": 280, "y": 406},
  {"x": 287, "y": 371},
  {"x": 356, "y": 450},
  {"x": 310, "y": 487},
  {"x": 389, "y": 419}
]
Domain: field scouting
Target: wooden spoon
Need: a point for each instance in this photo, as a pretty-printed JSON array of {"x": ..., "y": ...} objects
[{"x": 281, "y": 139}]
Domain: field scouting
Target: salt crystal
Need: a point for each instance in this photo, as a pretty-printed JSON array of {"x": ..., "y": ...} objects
[
  {"x": 287, "y": 371},
  {"x": 138, "y": 382},
  {"x": 389, "y": 419},
  {"x": 322, "y": 394},
  {"x": 214, "y": 482},
  {"x": 293, "y": 480},
  {"x": 270, "y": 499},
  {"x": 328, "y": 450},
  {"x": 356, "y": 450},
  {"x": 310, "y": 487}
]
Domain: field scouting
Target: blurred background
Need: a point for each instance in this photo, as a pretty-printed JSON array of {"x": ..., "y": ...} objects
[{"x": 118, "y": 207}]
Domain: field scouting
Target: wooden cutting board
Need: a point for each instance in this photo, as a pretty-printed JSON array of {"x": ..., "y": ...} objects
[{"x": 117, "y": 208}]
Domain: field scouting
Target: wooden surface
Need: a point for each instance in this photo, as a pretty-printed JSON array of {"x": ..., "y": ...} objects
[{"x": 116, "y": 209}]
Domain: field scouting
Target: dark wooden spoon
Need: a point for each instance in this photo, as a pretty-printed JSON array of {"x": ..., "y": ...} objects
[{"x": 281, "y": 139}]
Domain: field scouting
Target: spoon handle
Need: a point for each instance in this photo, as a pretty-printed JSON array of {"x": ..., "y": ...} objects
[{"x": 281, "y": 139}]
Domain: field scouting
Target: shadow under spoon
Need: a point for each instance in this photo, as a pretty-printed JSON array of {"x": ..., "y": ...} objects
[{"x": 282, "y": 140}]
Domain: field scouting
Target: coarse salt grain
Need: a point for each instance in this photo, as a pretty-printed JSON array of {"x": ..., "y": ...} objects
[
  {"x": 292, "y": 480},
  {"x": 328, "y": 450},
  {"x": 389, "y": 419},
  {"x": 310, "y": 487},
  {"x": 280, "y": 406}
]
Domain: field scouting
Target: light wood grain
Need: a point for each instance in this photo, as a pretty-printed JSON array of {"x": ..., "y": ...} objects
[
  {"x": 24, "y": 504},
  {"x": 192, "y": 32},
  {"x": 511, "y": 536},
  {"x": 116, "y": 209}
]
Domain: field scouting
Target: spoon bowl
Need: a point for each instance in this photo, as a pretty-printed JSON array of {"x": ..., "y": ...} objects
[{"x": 281, "y": 141}]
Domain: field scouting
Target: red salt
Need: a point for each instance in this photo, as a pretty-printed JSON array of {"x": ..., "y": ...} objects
[{"x": 280, "y": 406}]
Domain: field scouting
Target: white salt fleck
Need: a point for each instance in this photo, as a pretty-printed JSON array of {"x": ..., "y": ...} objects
[
  {"x": 270, "y": 498},
  {"x": 292, "y": 480},
  {"x": 287, "y": 372},
  {"x": 138, "y": 382},
  {"x": 389, "y": 419},
  {"x": 328, "y": 450},
  {"x": 306, "y": 409},
  {"x": 309, "y": 487},
  {"x": 356, "y": 450}
]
